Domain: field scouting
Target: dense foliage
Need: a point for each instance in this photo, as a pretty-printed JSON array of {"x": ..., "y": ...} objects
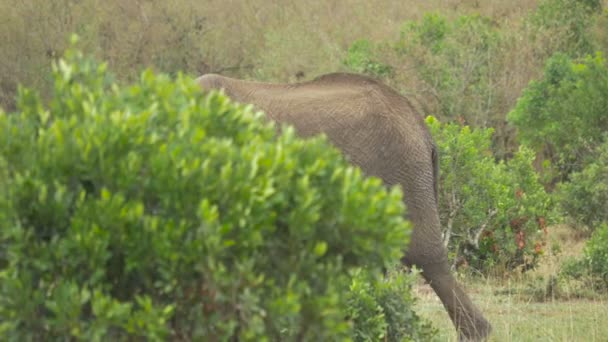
[
  {"x": 381, "y": 308},
  {"x": 563, "y": 114},
  {"x": 564, "y": 26},
  {"x": 596, "y": 253},
  {"x": 492, "y": 212},
  {"x": 363, "y": 58},
  {"x": 584, "y": 199},
  {"x": 592, "y": 268},
  {"x": 155, "y": 211},
  {"x": 456, "y": 59}
]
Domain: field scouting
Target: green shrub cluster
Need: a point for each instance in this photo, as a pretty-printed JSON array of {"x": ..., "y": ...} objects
[
  {"x": 596, "y": 253},
  {"x": 457, "y": 60},
  {"x": 592, "y": 268},
  {"x": 155, "y": 211},
  {"x": 584, "y": 198},
  {"x": 381, "y": 308},
  {"x": 362, "y": 58},
  {"x": 562, "y": 116},
  {"x": 563, "y": 113},
  {"x": 564, "y": 26},
  {"x": 491, "y": 212},
  {"x": 584, "y": 201}
]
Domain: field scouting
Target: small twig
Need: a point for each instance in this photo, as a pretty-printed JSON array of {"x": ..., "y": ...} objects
[{"x": 454, "y": 208}]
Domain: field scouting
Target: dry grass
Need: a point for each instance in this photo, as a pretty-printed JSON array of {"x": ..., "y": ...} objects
[
  {"x": 268, "y": 40},
  {"x": 265, "y": 39}
]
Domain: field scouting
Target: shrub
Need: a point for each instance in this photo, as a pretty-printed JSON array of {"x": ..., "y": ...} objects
[
  {"x": 563, "y": 113},
  {"x": 362, "y": 58},
  {"x": 492, "y": 213},
  {"x": 153, "y": 211},
  {"x": 381, "y": 308},
  {"x": 596, "y": 253},
  {"x": 563, "y": 26},
  {"x": 457, "y": 60},
  {"x": 584, "y": 198},
  {"x": 592, "y": 268},
  {"x": 573, "y": 268}
]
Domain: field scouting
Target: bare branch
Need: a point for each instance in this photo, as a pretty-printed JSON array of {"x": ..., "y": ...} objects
[{"x": 474, "y": 241}]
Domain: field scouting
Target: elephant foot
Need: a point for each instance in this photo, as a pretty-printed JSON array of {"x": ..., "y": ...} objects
[
  {"x": 475, "y": 330},
  {"x": 468, "y": 320}
]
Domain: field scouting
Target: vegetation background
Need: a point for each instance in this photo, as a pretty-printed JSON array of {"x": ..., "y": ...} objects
[
  {"x": 511, "y": 83},
  {"x": 485, "y": 52}
]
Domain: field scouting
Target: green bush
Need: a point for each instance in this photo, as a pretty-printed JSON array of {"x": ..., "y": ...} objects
[
  {"x": 362, "y": 58},
  {"x": 491, "y": 212},
  {"x": 596, "y": 253},
  {"x": 584, "y": 198},
  {"x": 381, "y": 308},
  {"x": 430, "y": 32},
  {"x": 457, "y": 61},
  {"x": 592, "y": 268},
  {"x": 563, "y": 26},
  {"x": 573, "y": 268},
  {"x": 563, "y": 114},
  {"x": 153, "y": 211}
]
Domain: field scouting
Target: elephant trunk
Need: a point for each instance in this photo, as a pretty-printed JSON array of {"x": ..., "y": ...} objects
[{"x": 467, "y": 318}]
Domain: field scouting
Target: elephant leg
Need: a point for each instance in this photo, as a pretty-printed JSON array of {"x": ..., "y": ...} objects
[
  {"x": 426, "y": 251},
  {"x": 467, "y": 318},
  {"x": 414, "y": 172}
]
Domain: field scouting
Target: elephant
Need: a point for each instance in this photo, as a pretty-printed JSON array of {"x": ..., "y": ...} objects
[{"x": 380, "y": 132}]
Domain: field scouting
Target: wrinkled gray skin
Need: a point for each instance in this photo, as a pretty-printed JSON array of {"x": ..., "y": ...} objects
[{"x": 380, "y": 132}]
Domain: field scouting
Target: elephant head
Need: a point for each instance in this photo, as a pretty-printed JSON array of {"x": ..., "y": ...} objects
[{"x": 379, "y": 131}]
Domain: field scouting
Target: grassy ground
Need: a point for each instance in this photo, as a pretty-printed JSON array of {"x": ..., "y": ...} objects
[
  {"x": 514, "y": 319},
  {"x": 513, "y": 307}
]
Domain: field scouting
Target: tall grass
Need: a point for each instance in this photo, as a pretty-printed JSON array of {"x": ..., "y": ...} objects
[
  {"x": 516, "y": 319},
  {"x": 539, "y": 305}
]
